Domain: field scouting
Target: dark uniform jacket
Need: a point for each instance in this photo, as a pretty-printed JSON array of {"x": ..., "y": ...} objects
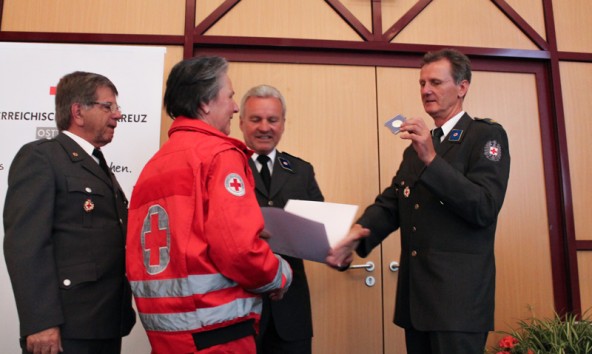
[
  {"x": 65, "y": 223},
  {"x": 447, "y": 215},
  {"x": 292, "y": 178}
]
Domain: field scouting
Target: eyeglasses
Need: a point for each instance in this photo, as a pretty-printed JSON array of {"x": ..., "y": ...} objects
[{"x": 110, "y": 106}]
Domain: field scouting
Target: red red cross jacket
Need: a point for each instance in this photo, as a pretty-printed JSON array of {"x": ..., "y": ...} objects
[{"x": 194, "y": 257}]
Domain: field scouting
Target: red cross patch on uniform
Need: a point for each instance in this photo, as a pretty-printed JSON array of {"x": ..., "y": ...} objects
[
  {"x": 492, "y": 150},
  {"x": 235, "y": 185}
]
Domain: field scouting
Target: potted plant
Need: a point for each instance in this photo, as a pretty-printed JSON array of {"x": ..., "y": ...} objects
[{"x": 559, "y": 335}]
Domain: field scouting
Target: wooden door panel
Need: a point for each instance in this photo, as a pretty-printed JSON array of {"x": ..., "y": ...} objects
[
  {"x": 523, "y": 254},
  {"x": 398, "y": 93},
  {"x": 331, "y": 123}
]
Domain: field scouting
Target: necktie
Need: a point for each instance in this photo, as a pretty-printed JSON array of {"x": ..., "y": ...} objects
[
  {"x": 102, "y": 163},
  {"x": 436, "y": 135},
  {"x": 265, "y": 174}
]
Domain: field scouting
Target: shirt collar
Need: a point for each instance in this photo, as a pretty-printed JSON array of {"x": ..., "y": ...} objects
[
  {"x": 271, "y": 158},
  {"x": 447, "y": 127},
  {"x": 85, "y": 145}
]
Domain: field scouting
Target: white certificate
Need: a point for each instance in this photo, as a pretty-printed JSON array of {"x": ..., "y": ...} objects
[{"x": 306, "y": 229}]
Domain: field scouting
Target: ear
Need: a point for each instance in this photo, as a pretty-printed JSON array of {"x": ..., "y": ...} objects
[
  {"x": 205, "y": 108},
  {"x": 241, "y": 123},
  {"x": 77, "y": 115},
  {"x": 463, "y": 88}
]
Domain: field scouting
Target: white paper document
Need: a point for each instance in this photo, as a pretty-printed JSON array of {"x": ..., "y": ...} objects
[{"x": 306, "y": 229}]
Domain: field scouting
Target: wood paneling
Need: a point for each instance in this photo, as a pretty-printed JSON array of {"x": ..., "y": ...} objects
[
  {"x": 398, "y": 93},
  {"x": 172, "y": 57},
  {"x": 576, "y": 80},
  {"x": 476, "y": 23},
  {"x": 86, "y": 16},
  {"x": 392, "y": 11},
  {"x": 585, "y": 271},
  {"x": 331, "y": 123},
  {"x": 524, "y": 281},
  {"x": 572, "y": 25},
  {"x": 310, "y": 19},
  {"x": 532, "y": 12}
]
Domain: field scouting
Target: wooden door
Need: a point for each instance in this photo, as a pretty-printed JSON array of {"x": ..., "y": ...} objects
[
  {"x": 331, "y": 122},
  {"x": 524, "y": 283}
]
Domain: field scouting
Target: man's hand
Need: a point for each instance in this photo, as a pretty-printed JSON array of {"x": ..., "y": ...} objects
[
  {"x": 265, "y": 235},
  {"x": 45, "y": 342},
  {"x": 416, "y": 130},
  {"x": 342, "y": 254},
  {"x": 277, "y": 294}
]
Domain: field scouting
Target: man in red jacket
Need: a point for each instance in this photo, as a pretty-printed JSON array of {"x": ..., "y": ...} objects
[{"x": 196, "y": 264}]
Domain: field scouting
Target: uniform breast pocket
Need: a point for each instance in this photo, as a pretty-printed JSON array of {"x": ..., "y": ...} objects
[
  {"x": 72, "y": 276},
  {"x": 87, "y": 194}
]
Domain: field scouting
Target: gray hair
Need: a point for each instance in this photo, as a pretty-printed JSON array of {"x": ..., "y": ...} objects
[
  {"x": 263, "y": 91},
  {"x": 193, "y": 82}
]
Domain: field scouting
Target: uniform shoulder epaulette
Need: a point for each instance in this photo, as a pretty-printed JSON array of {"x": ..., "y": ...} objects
[{"x": 486, "y": 120}]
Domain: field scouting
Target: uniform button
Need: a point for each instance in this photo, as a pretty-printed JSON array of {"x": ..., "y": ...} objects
[
  {"x": 413, "y": 253},
  {"x": 67, "y": 282},
  {"x": 120, "y": 221},
  {"x": 414, "y": 229},
  {"x": 270, "y": 203},
  {"x": 88, "y": 190},
  {"x": 416, "y": 206},
  {"x": 402, "y": 183}
]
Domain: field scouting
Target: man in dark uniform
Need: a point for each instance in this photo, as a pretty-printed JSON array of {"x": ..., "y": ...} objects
[
  {"x": 65, "y": 221},
  {"x": 286, "y": 325},
  {"x": 445, "y": 198}
]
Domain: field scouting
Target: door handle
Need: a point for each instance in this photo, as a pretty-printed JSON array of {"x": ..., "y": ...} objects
[
  {"x": 394, "y": 266},
  {"x": 369, "y": 266}
]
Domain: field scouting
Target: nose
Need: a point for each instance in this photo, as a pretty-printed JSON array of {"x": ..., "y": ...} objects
[
  {"x": 425, "y": 89},
  {"x": 264, "y": 125},
  {"x": 235, "y": 108},
  {"x": 117, "y": 115}
]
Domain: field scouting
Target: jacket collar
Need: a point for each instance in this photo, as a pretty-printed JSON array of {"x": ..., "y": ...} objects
[
  {"x": 194, "y": 124},
  {"x": 77, "y": 155}
]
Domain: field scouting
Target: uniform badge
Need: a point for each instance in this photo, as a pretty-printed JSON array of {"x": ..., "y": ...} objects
[
  {"x": 492, "y": 150},
  {"x": 285, "y": 164},
  {"x": 455, "y": 135},
  {"x": 407, "y": 192},
  {"x": 235, "y": 185},
  {"x": 88, "y": 205}
]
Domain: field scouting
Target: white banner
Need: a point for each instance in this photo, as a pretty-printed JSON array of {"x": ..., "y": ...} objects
[{"x": 29, "y": 74}]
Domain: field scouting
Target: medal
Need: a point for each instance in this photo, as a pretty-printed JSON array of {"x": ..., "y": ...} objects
[
  {"x": 88, "y": 206},
  {"x": 285, "y": 164},
  {"x": 407, "y": 192}
]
